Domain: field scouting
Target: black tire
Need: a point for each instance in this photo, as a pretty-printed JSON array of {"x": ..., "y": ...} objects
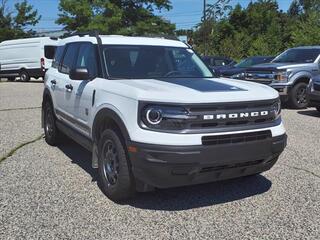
[
  {"x": 298, "y": 96},
  {"x": 115, "y": 176},
  {"x": 11, "y": 79},
  {"x": 51, "y": 132},
  {"x": 318, "y": 109},
  {"x": 24, "y": 76}
]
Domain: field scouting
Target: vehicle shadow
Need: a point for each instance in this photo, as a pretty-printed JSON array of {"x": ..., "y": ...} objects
[
  {"x": 310, "y": 113},
  {"x": 19, "y": 81},
  {"x": 79, "y": 156},
  {"x": 182, "y": 198},
  {"x": 190, "y": 197}
]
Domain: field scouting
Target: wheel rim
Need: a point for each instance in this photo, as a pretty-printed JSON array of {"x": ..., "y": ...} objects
[
  {"x": 302, "y": 95},
  {"x": 23, "y": 76},
  {"x": 49, "y": 126},
  {"x": 110, "y": 162}
]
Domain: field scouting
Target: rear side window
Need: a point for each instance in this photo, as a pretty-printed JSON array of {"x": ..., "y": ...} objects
[
  {"x": 49, "y": 51},
  {"x": 87, "y": 59},
  {"x": 58, "y": 57},
  {"x": 69, "y": 58}
]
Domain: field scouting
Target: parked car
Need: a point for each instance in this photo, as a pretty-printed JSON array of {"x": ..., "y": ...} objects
[
  {"x": 236, "y": 71},
  {"x": 26, "y": 58},
  {"x": 154, "y": 122},
  {"x": 289, "y": 74},
  {"x": 313, "y": 92},
  {"x": 214, "y": 61}
]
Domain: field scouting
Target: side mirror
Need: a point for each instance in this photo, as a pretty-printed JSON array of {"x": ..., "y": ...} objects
[{"x": 79, "y": 74}]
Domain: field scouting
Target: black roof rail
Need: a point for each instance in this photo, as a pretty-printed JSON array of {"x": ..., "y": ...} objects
[{"x": 92, "y": 33}]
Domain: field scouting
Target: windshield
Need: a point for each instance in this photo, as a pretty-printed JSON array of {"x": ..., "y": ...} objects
[
  {"x": 245, "y": 63},
  {"x": 298, "y": 56},
  {"x": 248, "y": 62},
  {"x": 144, "y": 62}
]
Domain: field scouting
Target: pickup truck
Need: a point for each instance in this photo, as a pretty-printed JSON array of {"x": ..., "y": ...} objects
[{"x": 289, "y": 73}]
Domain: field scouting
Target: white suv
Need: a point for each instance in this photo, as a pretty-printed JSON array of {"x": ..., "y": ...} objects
[{"x": 154, "y": 116}]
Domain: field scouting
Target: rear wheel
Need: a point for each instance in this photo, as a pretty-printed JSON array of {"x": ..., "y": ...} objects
[
  {"x": 298, "y": 96},
  {"x": 51, "y": 132},
  {"x": 24, "y": 76},
  {"x": 11, "y": 79},
  {"x": 115, "y": 175}
]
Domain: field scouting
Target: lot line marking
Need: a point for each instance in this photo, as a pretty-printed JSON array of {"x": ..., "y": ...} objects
[{"x": 17, "y": 109}]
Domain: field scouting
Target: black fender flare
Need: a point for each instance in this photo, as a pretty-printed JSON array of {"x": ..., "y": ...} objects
[{"x": 107, "y": 113}]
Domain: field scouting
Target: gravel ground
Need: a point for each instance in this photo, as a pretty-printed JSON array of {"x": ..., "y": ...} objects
[{"x": 52, "y": 193}]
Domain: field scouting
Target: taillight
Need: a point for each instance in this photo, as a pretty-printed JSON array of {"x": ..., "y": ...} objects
[{"x": 42, "y": 63}]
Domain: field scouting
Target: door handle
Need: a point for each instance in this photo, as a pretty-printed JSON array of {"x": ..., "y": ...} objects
[
  {"x": 69, "y": 87},
  {"x": 53, "y": 82}
]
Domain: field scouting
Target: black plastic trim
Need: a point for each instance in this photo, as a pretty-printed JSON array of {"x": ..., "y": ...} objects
[
  {"x": 79, "y": 124},
  {"x": 75, "y": 135},
  {"x": 172, "y": 166}
]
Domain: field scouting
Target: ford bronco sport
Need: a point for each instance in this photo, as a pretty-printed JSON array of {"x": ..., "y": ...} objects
[{"x": 153, "y": 116}]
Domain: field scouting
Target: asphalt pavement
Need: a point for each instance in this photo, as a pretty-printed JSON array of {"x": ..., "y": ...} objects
[{"x": 51, "y": 192}]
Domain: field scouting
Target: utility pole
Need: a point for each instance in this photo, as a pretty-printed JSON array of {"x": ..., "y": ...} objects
[
  {"x": 205, "y": 26},
  {"x": 204, "y": 9}
]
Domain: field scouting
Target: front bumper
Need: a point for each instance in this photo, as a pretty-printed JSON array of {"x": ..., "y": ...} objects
[{"x": 171, "y": 166}]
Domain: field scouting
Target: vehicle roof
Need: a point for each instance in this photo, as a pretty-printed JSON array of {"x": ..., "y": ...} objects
[
  {"x": 215, "y": 57},
  {"x": 125, "y": 40},
  {"x": 307, "y": 47},
  {"x": 261, "y": 57},
  {"x": 28, "y": 40}
]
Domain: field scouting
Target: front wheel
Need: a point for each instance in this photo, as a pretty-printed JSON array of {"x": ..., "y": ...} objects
[
  {"x": 115, "y": 175},
  {"x": 298, "y": 96}
]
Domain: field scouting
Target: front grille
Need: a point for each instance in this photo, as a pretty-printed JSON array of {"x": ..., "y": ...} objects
[
  {"x": 200, "y": 111},
  {"x": 236, "y": 138},
  {"x": 228, "y": 166},
  {"x": 261, "y": 76}
]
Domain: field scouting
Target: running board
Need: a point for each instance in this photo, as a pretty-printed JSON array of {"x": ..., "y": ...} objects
[{"x": 73, "y": 134}]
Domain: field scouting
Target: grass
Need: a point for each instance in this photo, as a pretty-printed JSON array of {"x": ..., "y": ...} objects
[{"x": 12, "y": 151}]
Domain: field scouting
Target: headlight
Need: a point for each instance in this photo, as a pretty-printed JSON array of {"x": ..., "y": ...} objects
[
  {"x": 282, "y": 76},
  {"x": 164, "y": 117},
  {"x": 276, "y": 108}
]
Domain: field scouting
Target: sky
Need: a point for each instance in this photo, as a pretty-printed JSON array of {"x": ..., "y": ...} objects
[{"x": 185, "y": 13}]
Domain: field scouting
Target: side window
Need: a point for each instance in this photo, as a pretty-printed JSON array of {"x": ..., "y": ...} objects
[
  {"x": 49, "y": 51},
  {"x": 87, "y": 59},
  {"x": 58, "y": 57},
  {"x": 69, "y": 58}
]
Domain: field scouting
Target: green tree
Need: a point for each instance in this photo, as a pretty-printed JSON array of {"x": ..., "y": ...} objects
[
  {"x": 307, "y": 32},
  {"x": 17, "y": 25},
  {"x": 129, "y": 17}
]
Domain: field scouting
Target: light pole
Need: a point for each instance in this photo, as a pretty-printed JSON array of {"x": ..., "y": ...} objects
[{"x": 205, "y": 26}]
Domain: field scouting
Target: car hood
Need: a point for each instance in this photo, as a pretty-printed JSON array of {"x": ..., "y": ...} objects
[
  {"x": 195, "y": 90},
  {"x": 278, "y": 66},
  {"x": 232, "y": 71}
]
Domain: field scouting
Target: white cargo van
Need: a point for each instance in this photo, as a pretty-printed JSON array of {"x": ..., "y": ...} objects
[{"x": 26, "y": 58}]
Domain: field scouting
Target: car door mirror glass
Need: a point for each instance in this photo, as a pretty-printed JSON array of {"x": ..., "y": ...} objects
[{"x": 79, "y": 74}]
